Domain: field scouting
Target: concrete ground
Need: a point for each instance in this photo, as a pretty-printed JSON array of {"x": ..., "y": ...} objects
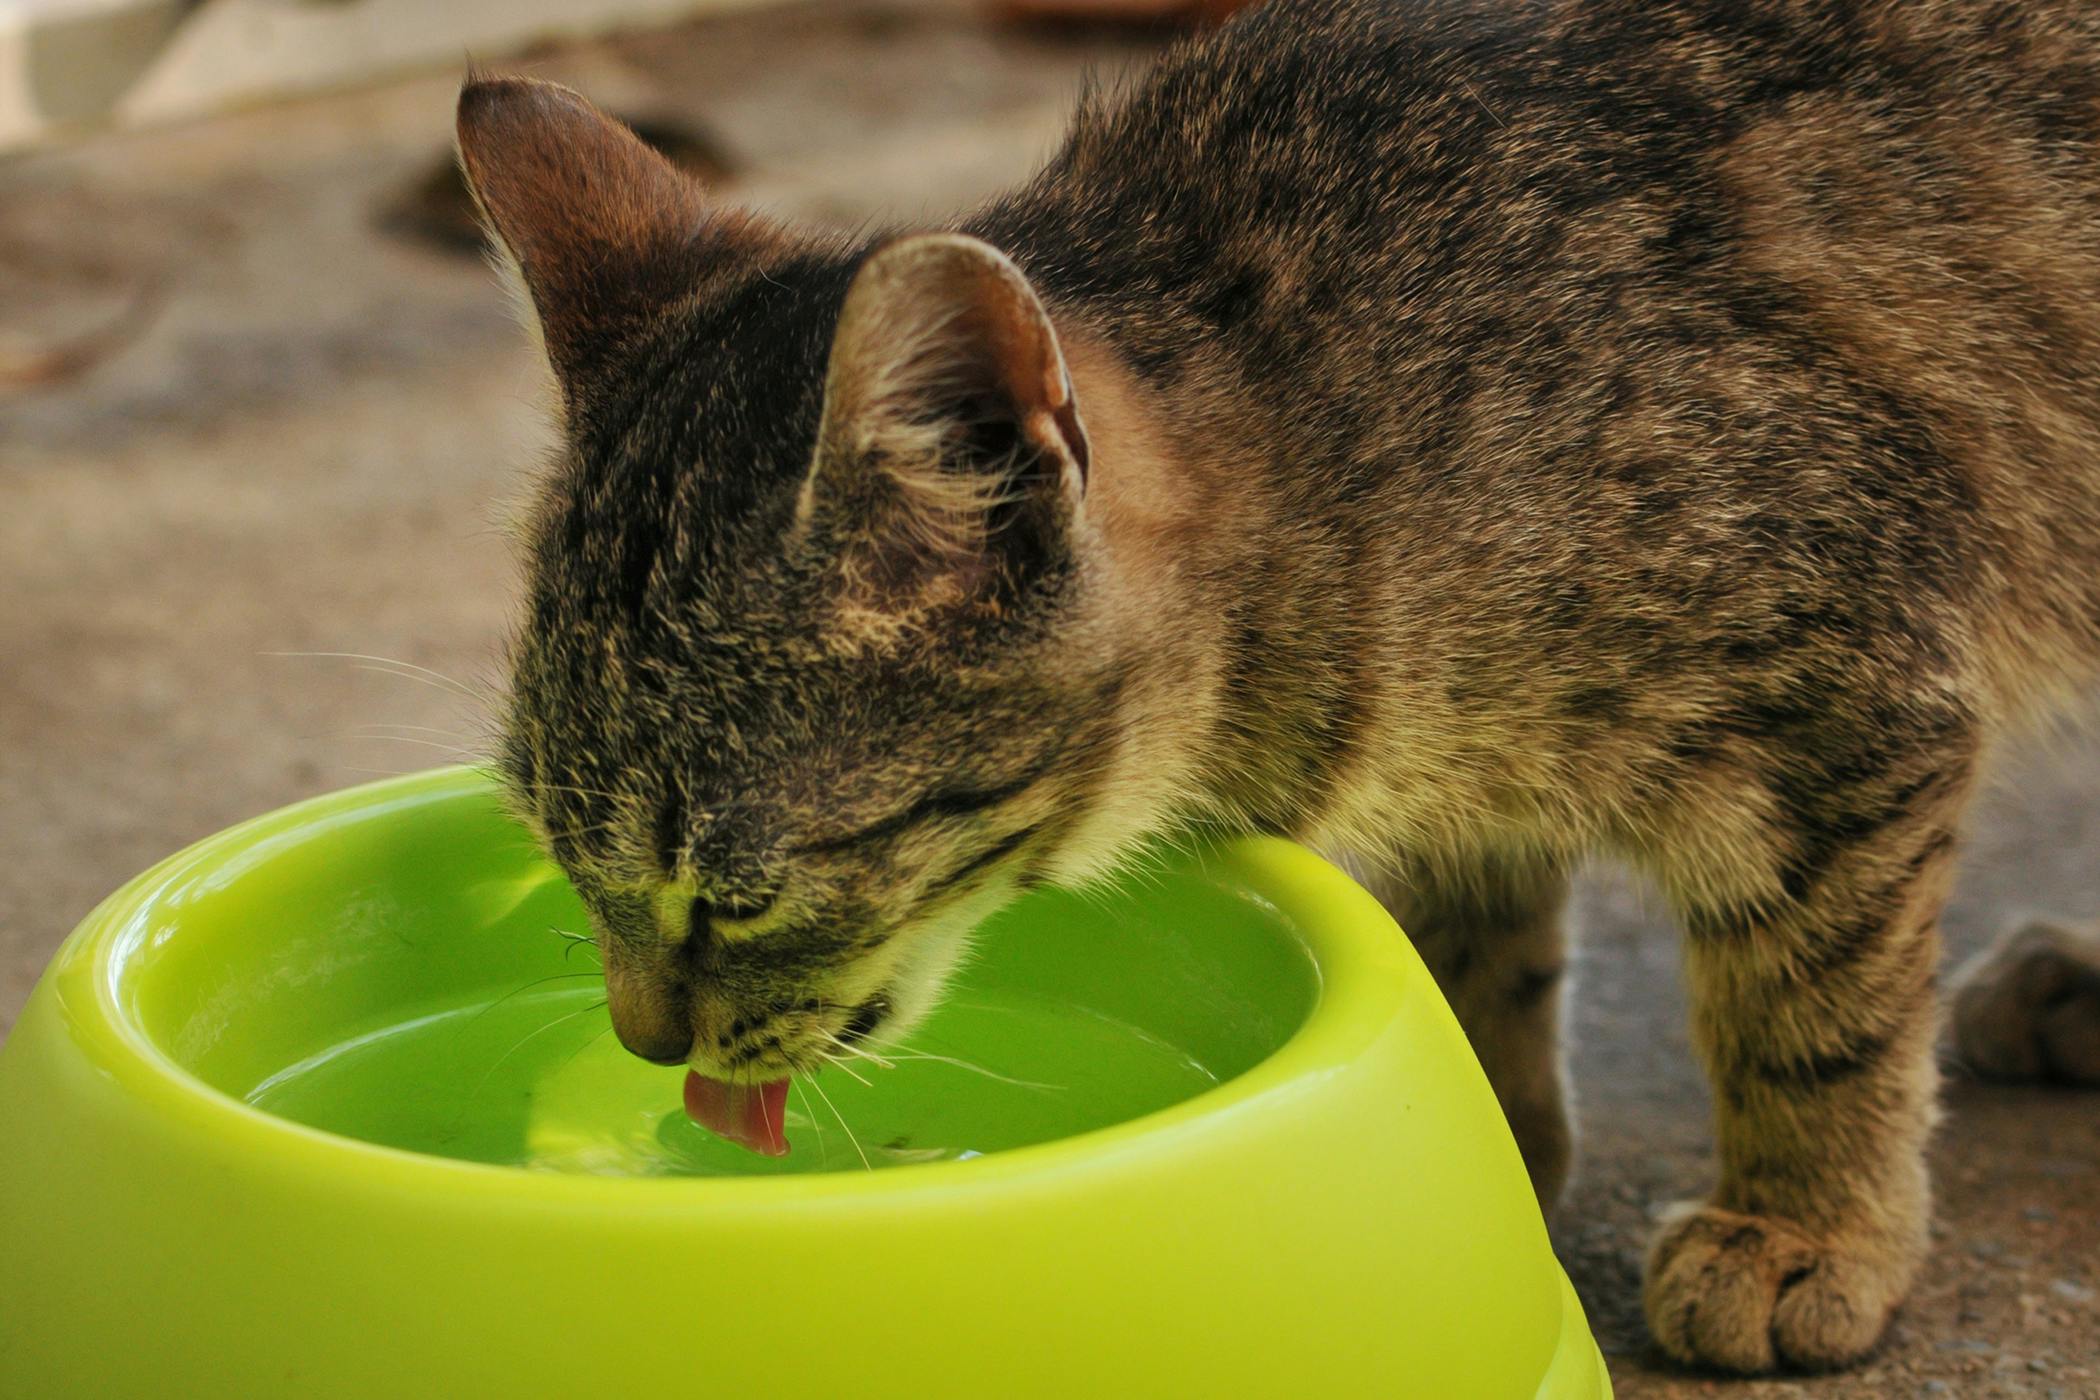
[{"x": 309, "y": 452}]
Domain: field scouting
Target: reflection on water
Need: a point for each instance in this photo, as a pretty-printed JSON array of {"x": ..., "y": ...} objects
[{"x": 536, "y": 1079}]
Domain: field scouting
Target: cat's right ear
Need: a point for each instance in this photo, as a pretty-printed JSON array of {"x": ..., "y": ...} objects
[
  {"x": 603, "y": 231},
  {"x": 951, "y": 460}
]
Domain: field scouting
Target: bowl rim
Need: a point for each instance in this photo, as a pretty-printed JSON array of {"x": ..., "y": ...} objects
[{"x": 1362, "y": 981}]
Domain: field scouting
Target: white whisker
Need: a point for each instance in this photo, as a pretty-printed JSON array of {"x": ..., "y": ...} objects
[
  {"x": 407, "y": 670},
  {"x": 858, "y": 1052},
  {"x": 450, "y": 750},
  {"x": 987, "y": 1073},
  {"x": 843, "y": 1068},
  {"x": 814, "y": 1125},
  {"x": 530, "y": 1036},
  {"x": 866, "y": 1165},
  {"x": 441, "y": 732}
]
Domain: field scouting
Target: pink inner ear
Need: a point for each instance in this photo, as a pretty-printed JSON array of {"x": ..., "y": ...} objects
[
  {"x": 1073, "y": 433},
  {"x": 932, "y": 324},
  {"x": 935, "y": 309},
  {"x": 1026, "y": 348}
]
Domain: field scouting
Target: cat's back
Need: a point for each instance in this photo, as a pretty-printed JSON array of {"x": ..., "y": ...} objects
[
  {"x": 1421, "y": 139},
  {"x": 1726, "y": 292}
]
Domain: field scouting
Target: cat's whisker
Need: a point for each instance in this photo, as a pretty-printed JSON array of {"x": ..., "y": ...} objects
[
  {"x": 570, "y": 1058},
  {"x": 987, "y": 1073},
  {"x": 572, "y": 941},
  {"x": 866, "y": 1165},
  {"x": 838, "y": 1063},
  {"x": 764, "y": 1115},
  {"x": 530, "y": 1036},
  {"x": 403, "y": 676},
  {"x": 917, "y": 1053},
  {"x": 857, "y": 1051},
  {"x": 363, "y": 771},
  {"x": 860, "y": 1052},
  {"x": 814, "y": 1125},
  {"x": 407, "y": 670},
  {"x": 471, "y": 745},
  {"x": 451, "y": 750},
  {"x": 521, "y": 990}
]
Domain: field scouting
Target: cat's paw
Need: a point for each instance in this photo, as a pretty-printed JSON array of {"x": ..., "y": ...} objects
[
  {"x": 1752, "y": 1293},
  {"x": 2029, "y": 1007}
]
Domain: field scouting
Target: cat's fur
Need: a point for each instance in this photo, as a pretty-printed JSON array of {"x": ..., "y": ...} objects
[{"x": 1470, "y": 436}]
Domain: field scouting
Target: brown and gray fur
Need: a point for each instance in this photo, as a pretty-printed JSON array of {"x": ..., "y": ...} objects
[{"x": 1472, "y": 437}]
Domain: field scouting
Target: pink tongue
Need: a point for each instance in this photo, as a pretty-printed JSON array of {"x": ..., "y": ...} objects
[{"x": 749, "y": 1115}]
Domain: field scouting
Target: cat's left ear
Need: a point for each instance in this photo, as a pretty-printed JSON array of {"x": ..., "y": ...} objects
[
  {"x": 603, "y": 231},
  {"x": 951, "y": 448}
]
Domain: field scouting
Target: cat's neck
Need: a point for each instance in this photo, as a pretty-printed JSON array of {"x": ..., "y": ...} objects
[{"x": 1216, "y": 591}]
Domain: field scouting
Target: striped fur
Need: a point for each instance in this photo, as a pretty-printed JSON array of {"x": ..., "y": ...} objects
[{"x": 1489, "y": 435}]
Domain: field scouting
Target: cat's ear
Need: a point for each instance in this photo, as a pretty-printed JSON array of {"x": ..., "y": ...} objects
[
  {"x": 602, "y": 229},
  {"x": 951, "y": 452}
]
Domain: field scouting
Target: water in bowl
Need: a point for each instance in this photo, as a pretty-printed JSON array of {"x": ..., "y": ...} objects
[{"x": 534, "y": 1078}]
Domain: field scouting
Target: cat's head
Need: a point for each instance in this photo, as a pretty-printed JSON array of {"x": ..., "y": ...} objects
[{"x": 814, "y": 667}]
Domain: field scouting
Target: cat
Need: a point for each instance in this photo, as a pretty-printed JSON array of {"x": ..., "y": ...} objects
[{"x": 1469, "y": 436}]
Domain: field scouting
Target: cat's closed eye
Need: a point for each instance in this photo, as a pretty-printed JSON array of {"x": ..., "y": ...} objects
[{"x": 735, "y": 909}]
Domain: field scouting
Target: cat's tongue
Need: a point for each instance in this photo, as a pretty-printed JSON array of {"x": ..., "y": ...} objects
[{"x": 749, "y": 1115}]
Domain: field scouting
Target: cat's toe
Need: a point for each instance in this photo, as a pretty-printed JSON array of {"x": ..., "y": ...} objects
[
  {"x": 2028, "y": 1008},
  {"x": 1752, "y": 1294}
]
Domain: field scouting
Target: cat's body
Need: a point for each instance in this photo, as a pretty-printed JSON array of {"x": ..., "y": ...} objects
[{"x": 1504, "y": 433}]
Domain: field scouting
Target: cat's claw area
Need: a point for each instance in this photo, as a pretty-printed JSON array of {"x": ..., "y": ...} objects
[
  {"x": 1753, "y": 1294},
  {"x": 2028, "y": 1007}
]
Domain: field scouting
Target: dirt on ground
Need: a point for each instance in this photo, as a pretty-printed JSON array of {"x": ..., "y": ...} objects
[{"x": 306, "y": 456}]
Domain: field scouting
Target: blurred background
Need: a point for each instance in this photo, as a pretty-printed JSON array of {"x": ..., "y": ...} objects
[{"x": 263, "y": 408}]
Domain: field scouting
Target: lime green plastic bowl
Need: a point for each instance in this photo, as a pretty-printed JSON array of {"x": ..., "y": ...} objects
[{"x": 238, "y": 1160}]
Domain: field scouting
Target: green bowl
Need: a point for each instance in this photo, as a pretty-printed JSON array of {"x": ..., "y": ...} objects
[{"x": 326, "y": 1106}]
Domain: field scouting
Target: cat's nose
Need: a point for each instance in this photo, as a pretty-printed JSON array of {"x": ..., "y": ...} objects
[
  {"x": 659, "y": 1040},
  {"x": 667, "y": 1052},
  {"x": 652, "y": 1014}
]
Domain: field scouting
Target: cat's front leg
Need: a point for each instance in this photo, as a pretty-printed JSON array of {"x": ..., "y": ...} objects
[{"x": 1815, "y": 1014}]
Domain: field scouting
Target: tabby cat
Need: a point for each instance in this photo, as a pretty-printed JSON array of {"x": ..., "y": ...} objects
[{"x": 1469, "y": 435}]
